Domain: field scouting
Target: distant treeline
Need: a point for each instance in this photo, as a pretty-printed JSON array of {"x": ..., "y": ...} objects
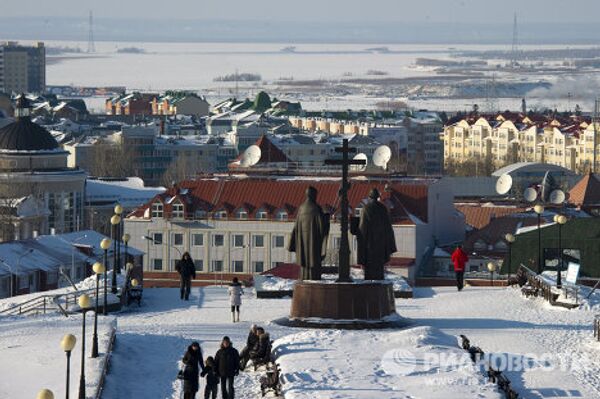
[
  {"x": 566, "y": 53},
  {"x": 239, "y": 77},
  {"x": 447, "y": 63}
]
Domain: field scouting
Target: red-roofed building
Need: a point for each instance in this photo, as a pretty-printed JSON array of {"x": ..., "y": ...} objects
[
  {"x": 586, "y": 194},
  {"x": 242, "y": 224}
]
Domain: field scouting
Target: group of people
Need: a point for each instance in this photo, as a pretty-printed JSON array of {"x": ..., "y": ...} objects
[
  {"x": 223, "y": 367},
  {"x": 220, "y": 369}
]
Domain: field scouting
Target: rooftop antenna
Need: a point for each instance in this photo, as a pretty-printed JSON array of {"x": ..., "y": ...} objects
[
  {"x": 91, "y": 46},
  {"x": 514, "y": 51}
]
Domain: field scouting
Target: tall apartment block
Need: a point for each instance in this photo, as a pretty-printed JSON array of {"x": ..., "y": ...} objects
[{"x": 22, "y": 68}]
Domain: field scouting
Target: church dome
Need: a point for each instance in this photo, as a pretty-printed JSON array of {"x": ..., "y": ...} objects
[{"x": 23, "y": 134}]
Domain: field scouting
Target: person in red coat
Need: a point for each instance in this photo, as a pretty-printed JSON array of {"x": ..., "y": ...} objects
[{"x": 459, "y": 258}]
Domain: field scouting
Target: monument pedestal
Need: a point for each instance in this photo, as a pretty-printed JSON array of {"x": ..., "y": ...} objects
[{"x": 356, "y": 305}]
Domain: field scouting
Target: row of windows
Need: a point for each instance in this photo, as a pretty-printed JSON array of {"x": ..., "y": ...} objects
[
  {"x": 218, "y": 240},
  {"x": 237, "y": 266},
  {"x": 157, "y": 211}
]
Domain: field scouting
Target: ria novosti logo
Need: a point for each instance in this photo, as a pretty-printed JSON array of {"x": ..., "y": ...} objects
[{"x": 404, "y": 363}]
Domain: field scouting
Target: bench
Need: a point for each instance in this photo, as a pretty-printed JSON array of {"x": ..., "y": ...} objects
[
  {"x": 134, "y": 294},
  {"x": 270, "y": 382}
]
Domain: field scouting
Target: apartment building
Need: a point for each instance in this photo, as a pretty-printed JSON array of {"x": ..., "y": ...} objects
[{"x": 22, "y": 68}]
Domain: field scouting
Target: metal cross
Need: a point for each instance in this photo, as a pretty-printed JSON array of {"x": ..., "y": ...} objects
[{"x": 345, "y": 162}]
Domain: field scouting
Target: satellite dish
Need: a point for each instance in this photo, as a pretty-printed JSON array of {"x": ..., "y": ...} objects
[
  {"x": 530, "y": 194},
  {"x": 557, "y": 197},
  {"x": 382, "y": 156},
  {"x": 548, "y": 185},
  {"x": 359, "y": 168},
  {"x": 251, "y": 156},
  {"x": 503, "y": 184}
]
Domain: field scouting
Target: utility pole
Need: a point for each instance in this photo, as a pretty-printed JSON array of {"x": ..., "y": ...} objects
[
  {"x": 91, "y": 45},
  {"x": 514, "y": 51}
]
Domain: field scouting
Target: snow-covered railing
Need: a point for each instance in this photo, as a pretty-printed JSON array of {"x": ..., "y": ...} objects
[
  {"x": 106, "y": 362},
  {"x": 45, "y": 303}
]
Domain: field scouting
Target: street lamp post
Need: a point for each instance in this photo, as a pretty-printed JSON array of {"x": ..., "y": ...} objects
[
  {"x": 67, "y": 344},
  {"x": 45, "y": 394},
  {"x": 84, "y": 304},
  {"x": 98, "y": 269},
  {"x": 492, "y": 268},
  {"x": 118, "y": 212},
  {"x": 156, "y": 242},
  {"x": 560, "y": 220},
  {"x": 105, "y": 244},
  {"x": 114, "y": 221},
  {"x": 509, "y": 239},
  {"x": 539, "y": 209},
  {"x": 19, "y": 265},
  {"x": 126, "y": 237}
]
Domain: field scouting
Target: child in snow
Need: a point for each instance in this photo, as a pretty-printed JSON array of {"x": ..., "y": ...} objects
[{"x": 212, "y": 379}]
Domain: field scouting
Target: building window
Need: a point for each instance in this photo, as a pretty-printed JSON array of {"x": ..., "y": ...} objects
[
  {"x": 218, "y": 240},
  {"x": 220, "y": 215},
  {"x": 199, "y": 265},
  {"x": 174, "y": 264},
  {"x": 157, "y": 238},
  {"x": 258, "y": 266},
  {"x": 278, "y": 241},
  {"x": 217, "y": 266},
  {"x": 198, "y": 240},
  {"x": 241, "y": 214},
  {"x": 282, "y": 216},
  {"x": 177, "y": 239},
  {"x": 237, "y": 266},
  {"x": 157, "y": 210},
  {"x": 237, "y": 241},
  {"x": 262, "y": 214},
  {"x": 258, "y": 241},
  {"x": 157, "y": 264},
  {"x": 178, "y": 211}
]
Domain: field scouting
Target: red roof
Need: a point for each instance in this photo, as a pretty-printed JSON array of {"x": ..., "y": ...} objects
[
  {"x": 290, "y": 271},
  {"x": 271, "y": 195},
  {"x": 586, "y": 192},
  {"x": 480, "y": 216},
  {"x": 269, "y": 153}
]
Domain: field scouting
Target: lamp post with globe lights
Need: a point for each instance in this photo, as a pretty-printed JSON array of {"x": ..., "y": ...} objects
[
  {"x": 98, "y": 269},
  {"x": 118, "y": 212},
  {"x": 84, "y": 304},
  {"x": 509, "y": 239},
  {"x": 492, "y": 268},
  {"x": 114, "y": 221},
  {"x": 560, "y": 220},
  {"x": 126, "y": 237},
  {"x": 539, "y": 209},
  {"x": 105, "y": 245},
  {"x": 45, "y": 394},
  {"x": 67, "y": 344}
]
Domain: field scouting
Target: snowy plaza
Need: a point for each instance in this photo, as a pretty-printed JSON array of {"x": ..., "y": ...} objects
[{"x": 556, "y": 346}]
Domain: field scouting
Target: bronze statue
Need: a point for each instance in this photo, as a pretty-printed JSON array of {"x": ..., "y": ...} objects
[
  {"x": 375, "y": 236},
  {"x": 309, "y": 237}
]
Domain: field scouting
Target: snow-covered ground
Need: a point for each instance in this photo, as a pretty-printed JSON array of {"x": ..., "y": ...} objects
[
  {"x": 31, "y": 357},
  {"x": 555, "y": 345}
]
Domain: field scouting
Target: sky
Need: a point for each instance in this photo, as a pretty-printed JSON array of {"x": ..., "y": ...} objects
[{"x": 454, "y": 11}]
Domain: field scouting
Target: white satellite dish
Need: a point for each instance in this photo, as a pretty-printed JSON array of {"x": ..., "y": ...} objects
[
  {"x": 557, "y": 197},
  {"x": 530, "y": 194},
  {"x": 503, "y": 184},
  {"x": 382, "y": 156},
  {"x": 359, "y": 168},
  {"x": 251, "y": 156}
]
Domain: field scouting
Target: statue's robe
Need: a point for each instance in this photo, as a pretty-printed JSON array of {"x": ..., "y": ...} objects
[{"x": 375, "y": 240}]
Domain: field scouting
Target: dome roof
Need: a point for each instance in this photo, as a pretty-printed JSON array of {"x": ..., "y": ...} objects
[{"x": 24, "y": 135}]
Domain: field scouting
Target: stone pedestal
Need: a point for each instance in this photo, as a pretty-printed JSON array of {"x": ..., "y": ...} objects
[{"x": 358, "y": 305}]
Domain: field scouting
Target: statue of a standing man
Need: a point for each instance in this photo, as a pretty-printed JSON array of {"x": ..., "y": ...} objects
[
  {"x": 309, "y": 237},
  {"x": 375, "y": 236}
]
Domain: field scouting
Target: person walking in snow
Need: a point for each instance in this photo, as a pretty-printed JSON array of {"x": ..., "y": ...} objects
[
  {"x": 227, "y": 364},
  {"x": 459, "y": 259},
  {"x": 193, "y": 362},
  {"x": 186, "y": 269},
  {"x": 212, "y": 379},
  {"x": 235, "y": 298}
]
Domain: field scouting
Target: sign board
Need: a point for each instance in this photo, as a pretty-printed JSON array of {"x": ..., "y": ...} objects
[{"x": 572, "y": 273}]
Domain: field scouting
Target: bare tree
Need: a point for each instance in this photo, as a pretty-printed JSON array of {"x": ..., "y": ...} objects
[{"x": 112, "y": 160}]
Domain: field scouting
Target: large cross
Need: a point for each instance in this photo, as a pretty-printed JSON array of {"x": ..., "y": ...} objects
[{"x": 345, "y": 162}]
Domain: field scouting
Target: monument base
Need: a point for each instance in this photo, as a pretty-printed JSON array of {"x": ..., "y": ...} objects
[{"x": 355, "y": 305}]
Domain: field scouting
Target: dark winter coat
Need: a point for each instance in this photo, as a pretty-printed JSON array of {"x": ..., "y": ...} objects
[
  {"x": 186, "y": 269},
  {"x": 190, "y": 373},
  {"x": 227, "y": 362},
  {"x": 252, "y": 341},
  {"x": 261, "y": 349},
  {"x": 212, "y": 378},
  {"x": 459, "y": 258}
]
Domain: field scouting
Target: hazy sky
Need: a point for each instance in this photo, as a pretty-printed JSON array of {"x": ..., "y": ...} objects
[{"x": 453, "y": 11}]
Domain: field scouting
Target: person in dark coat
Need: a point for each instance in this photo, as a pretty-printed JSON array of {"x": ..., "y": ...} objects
[
  {"x": 227, "y": 364},
  {"x": 186, "y": 269},
  {"x": 459, "y": 259},
  {"x": 375, "y": 238},
  {"x": 193, "y": 362},
  {"x": 212, "y": 379},
  {"x": 251, "y": 343},
  {"x": 261, "y": 349},
  {"x": 309, "y": 237}
]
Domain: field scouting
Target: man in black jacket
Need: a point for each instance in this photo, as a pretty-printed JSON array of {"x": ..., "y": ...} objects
[
  {"x": 227, "y": 364},
  {"x": 251, "y": 344},
  {"x": 187, "y": 271}
]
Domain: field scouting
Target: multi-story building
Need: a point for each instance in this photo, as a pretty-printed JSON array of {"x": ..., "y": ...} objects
[
  {"x": 22, "y": 68},
  {"x": 240, "y": 224},
  {"x": 180, "y": 103},
  {"x": 508, "y": 138},
  {"x": 136, "y": 103}
]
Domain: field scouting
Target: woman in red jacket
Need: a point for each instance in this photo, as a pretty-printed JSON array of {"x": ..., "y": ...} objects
[{"x": 459, "y": 258}]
